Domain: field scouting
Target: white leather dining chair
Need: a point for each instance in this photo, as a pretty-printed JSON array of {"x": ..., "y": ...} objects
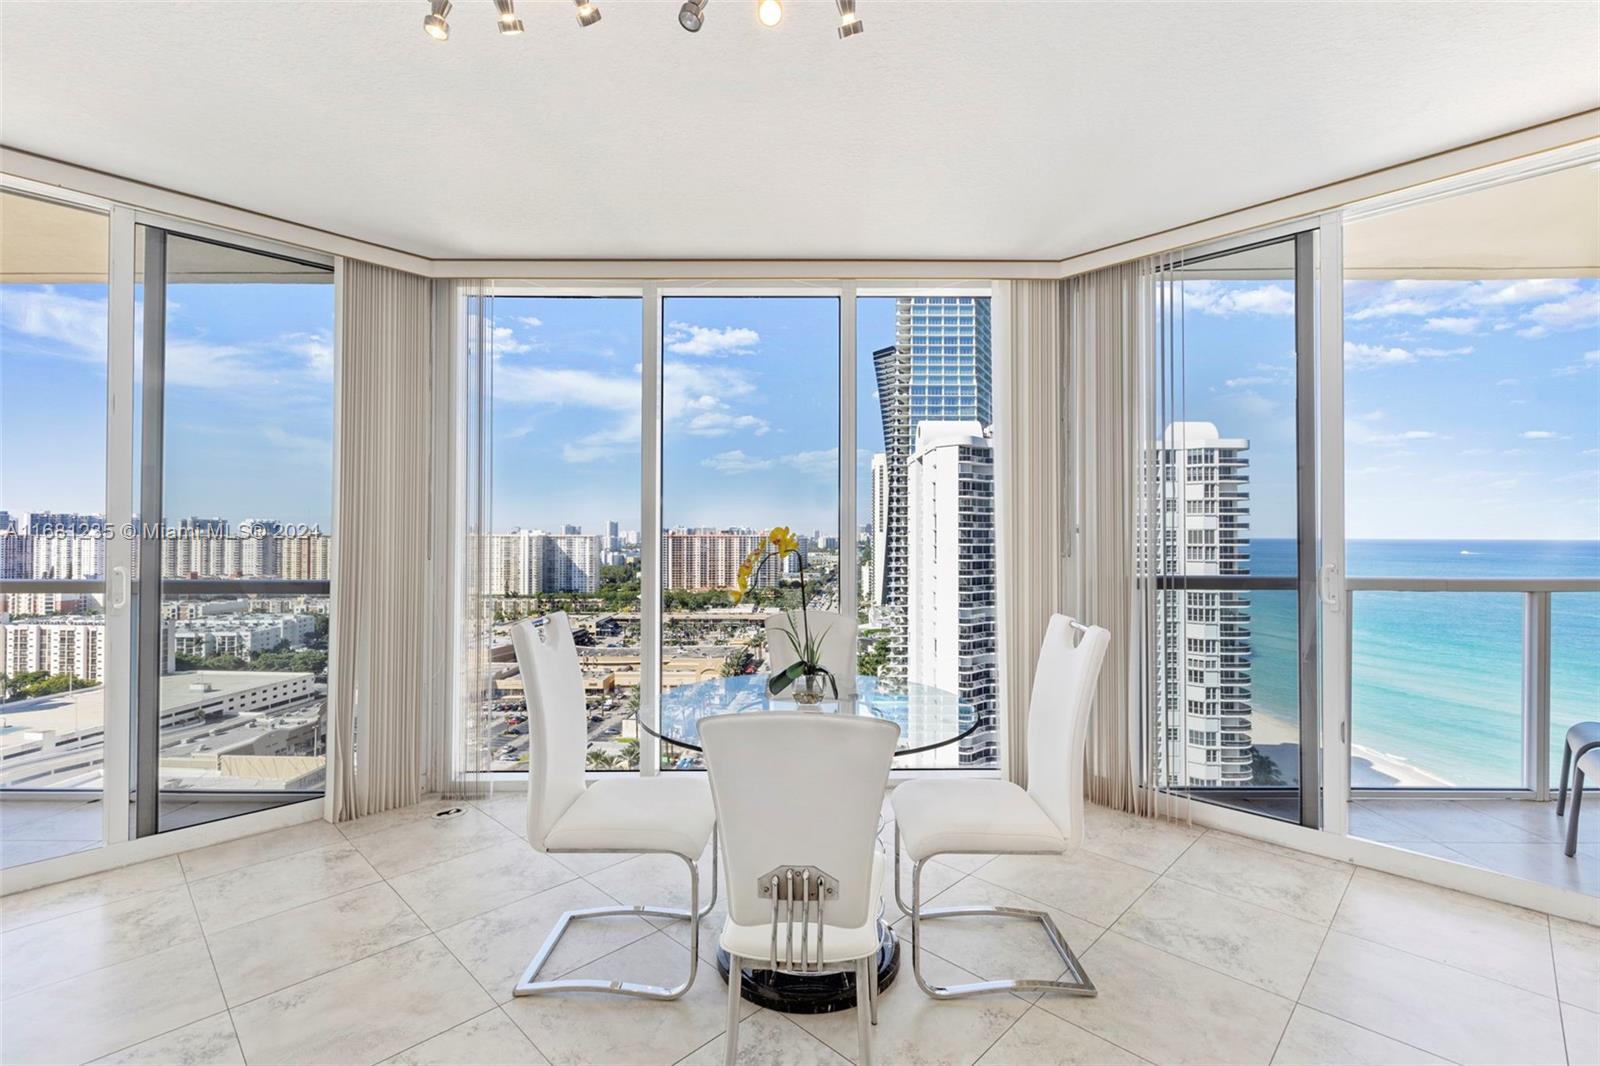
[
  {"x": 670, "y": 814},
  {"x": 996, "y": 817},
  {"x": 797, "y": 799},
  {"x": 828, "y": 626}
]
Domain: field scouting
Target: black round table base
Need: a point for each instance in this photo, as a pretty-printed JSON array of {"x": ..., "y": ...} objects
[{"x": 814, "y": 993}]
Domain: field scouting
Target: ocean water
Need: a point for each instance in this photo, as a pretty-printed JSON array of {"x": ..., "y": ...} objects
[{"x": 1437, "y": 676}]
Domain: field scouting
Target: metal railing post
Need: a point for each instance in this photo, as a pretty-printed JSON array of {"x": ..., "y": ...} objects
[{"x": 1536, "y": 694}]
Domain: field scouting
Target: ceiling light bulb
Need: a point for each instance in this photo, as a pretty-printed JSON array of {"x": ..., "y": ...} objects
[
  {"x": 588, "y": 13},
  {"x": 770, "y": 12},
  {"x": 509, "y": 23},
  {"x": 692, "y": 15},
  {"x": 849, "y": 21},
  {"x": 434, "y": 22}
]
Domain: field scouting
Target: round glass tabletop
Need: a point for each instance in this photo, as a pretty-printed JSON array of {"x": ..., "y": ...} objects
[{"x": 928, "y": 717}]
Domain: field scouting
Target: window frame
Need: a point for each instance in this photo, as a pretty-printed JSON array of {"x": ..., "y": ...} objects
[{"x": 652, "y": 293}]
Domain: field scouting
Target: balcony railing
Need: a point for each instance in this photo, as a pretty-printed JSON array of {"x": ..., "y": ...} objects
[{"x": 1536, "y": 593}]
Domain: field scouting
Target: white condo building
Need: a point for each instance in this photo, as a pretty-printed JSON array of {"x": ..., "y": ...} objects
[
  {"x": 1204, "y": 677},
  {"x": 950, "y": 615},
  {"x": 73, "y": 646},
  {"x": 66, "y": 556},
  {"x": 880, "y": 527},
  {"x": 707, "y": 559},
  {"x": 530, "y": 562}
]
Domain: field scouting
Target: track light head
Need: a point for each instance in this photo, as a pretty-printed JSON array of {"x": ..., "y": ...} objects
[
  {"x": 849, "y": 21},
  {"x": 509, "y": 23},
  {"x": 692, "y": 15},
  {"x": 588, "y": 12},
  {"x": 434, "y": 22},
  {"x": 769, "y": 12}
]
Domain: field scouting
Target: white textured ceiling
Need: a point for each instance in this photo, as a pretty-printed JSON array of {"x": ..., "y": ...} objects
[{"x": 965, "y": 130}]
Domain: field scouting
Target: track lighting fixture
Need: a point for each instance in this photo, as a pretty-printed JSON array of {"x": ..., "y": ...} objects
[
  {"x": 434, "y": 22},
  {"x": 509, "y": 23},
  {"x": 692, "y": 15},
  {"x": 849, "y": 21}
]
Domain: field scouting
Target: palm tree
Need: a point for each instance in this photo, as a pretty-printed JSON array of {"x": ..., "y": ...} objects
[{"x": 599, "y": 760}]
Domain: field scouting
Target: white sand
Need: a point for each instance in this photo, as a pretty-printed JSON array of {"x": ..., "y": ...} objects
[{"x": 1267, "y": 730}]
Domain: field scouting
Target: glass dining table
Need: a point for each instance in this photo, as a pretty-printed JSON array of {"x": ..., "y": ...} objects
[{"x": 932, "y": 721}]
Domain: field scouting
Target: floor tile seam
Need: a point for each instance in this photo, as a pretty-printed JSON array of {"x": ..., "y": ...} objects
[
  {"x": 376, "y": 880},
  {"x": 275, "y": 858},
  {"x": 1437, "y": 962},
  {"x": 182, "y": 1025},
  {"x": 332, "y": 969},
  {"x": 170, "y": 944}
]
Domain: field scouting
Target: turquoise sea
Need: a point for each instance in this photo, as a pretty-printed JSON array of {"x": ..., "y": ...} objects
[{"x": 1437, "y": 676}]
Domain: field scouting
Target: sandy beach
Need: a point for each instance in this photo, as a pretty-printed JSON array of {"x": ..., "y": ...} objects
[{"x": 1369, "y": 768}]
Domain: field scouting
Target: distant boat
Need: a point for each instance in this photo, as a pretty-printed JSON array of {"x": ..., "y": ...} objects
[{"x": 1465, "y": 552}]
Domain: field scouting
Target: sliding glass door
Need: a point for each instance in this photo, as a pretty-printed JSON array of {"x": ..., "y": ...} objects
[
  {"x": 1228, "y": 529},
  {"x": 234, "y": 521},
  {"x": 53, "y": 356}
]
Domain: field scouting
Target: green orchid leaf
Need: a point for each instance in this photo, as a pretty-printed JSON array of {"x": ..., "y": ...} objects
[{"x": 785, "y": 677}]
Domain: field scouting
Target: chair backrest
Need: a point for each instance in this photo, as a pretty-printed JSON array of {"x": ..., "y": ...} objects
[
  {"x": 552, "y": 684},
  {"x": 1058, "y": 721},
  {"x": 798, "y": 789},
  {"x": 836, "y": 637}
]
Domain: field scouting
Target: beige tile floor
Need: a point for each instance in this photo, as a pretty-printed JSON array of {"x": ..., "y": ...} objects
[
  {"x": 398, "y": 938},
  {"x": 1515, "y": 837}
]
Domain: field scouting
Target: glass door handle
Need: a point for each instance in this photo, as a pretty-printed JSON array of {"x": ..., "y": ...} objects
[
  {"x": 119, "y": 587},
  {"x": 1330, "y": 588}
]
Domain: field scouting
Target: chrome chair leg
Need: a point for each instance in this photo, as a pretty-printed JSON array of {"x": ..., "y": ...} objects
[
  {"x": 735, "y": 995},
  {"x": 530, "y": 986},
  {"x": 1079, "y": 985},
  {"x": 865, "y": 972}
]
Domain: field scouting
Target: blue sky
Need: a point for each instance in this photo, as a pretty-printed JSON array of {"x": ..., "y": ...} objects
[
  {"x": 249, "y": 403},
  {"x": 1473, "y": 407}
]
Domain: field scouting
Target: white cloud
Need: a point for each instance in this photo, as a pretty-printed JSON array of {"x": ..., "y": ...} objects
[
  {"x": 503, "y": 341},
  {"x": 822, "y": 464},
  {"x": 683, "y": 338},
  {"x": 1216, "y": 298},
  {"x": 1444, "y": 353},
  {"x": 1367, "y": 355},
  {"x": 1533, "y": 333},
  {"x": 1237, "y": 383},
  {"x": 1507, "y": 383},
  {"x": 70, "y": 327},
  {"x": 735, "y": 462},
  {"x": 720, "y": 423},
  {"x": 1357, "y": 432},
  {"x": 552, "y": 386},
  {"x": 1453, "y": 324},
  {"x": 1580, "y": 310},
  {"x": 1529, "y": 290},
  {"x": 1541, "y": 434},
  {"x": 1590, "y": 360},
  {"x": 530, "y": 321}
]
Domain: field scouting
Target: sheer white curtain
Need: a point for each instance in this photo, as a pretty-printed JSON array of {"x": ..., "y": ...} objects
[
  {"x": 376, "y": 719},
  {"x": 1030, "y": 493},
  {"x": 1108, "y": 414},
  {"x": 458, "y": 696}
]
